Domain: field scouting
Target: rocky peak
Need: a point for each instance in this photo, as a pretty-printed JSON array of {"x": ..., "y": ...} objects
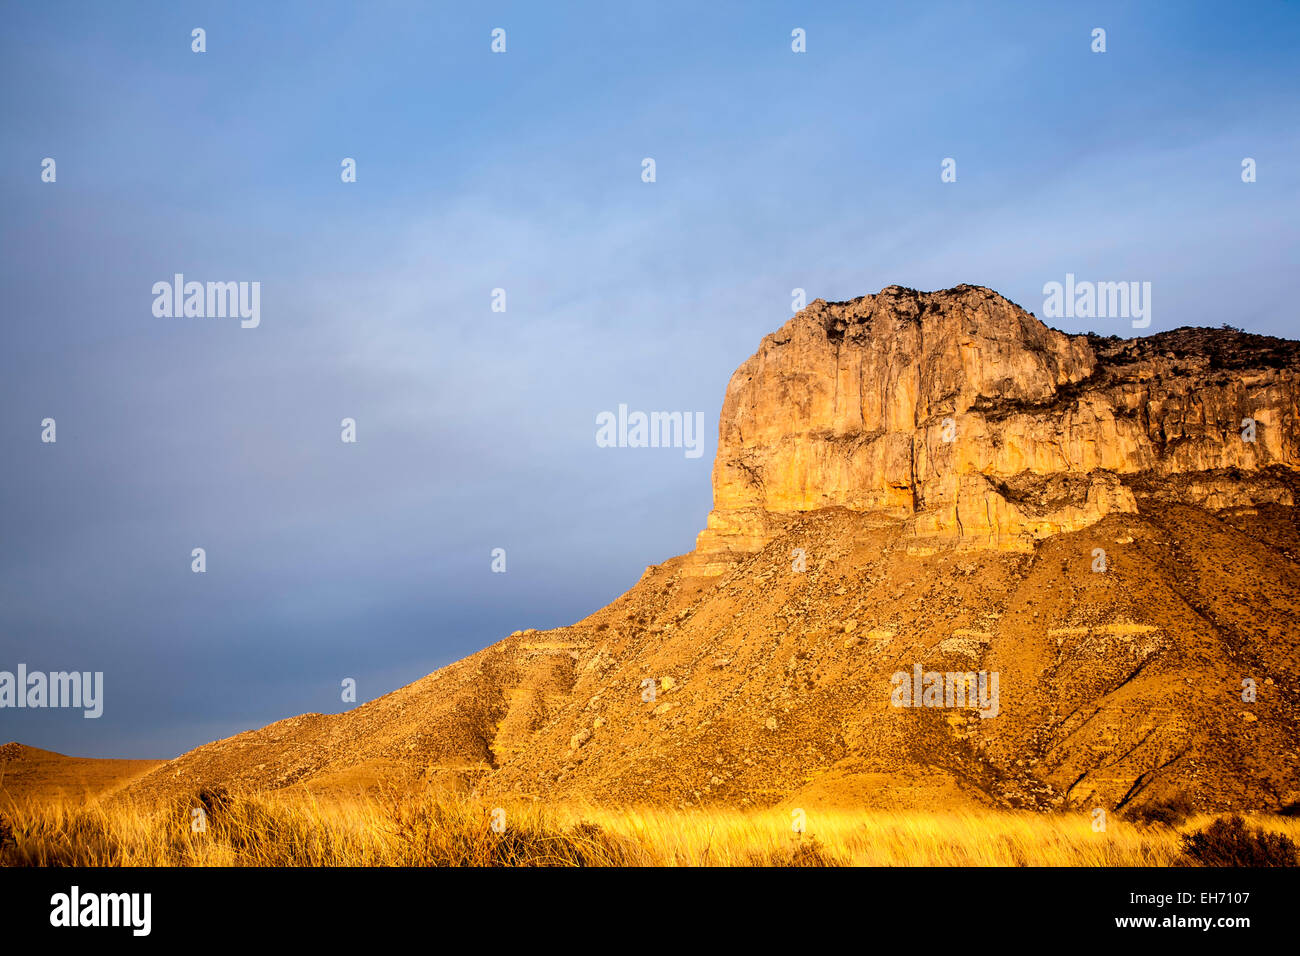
[{"x": 964, "y": 415}]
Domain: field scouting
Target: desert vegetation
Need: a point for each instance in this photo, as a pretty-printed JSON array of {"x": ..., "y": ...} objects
[{"x": 428, "y": 829}]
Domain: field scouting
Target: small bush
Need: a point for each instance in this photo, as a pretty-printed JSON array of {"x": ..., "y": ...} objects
[
  {"x": 215, "y": 801},
  {"x": 1230, "y": 842},
  {"x": 6, "y": 837},
  {"x": 1170, "y": 811}
]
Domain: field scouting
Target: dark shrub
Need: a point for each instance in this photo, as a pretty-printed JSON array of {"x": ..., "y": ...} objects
[
  {"x": 1170, "y": 811},
  {"x": 1230, "y": 842},
  {"x": 215, "y": 801}
]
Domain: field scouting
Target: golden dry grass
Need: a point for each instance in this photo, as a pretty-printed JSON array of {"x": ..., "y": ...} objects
[{"x": 404, "y": 829}]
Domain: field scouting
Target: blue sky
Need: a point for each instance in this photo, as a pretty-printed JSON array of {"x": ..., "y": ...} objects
[{"x": 521, "y": 170}]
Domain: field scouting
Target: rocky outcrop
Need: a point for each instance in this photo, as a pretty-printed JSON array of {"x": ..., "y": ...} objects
[{"x": 966, "y": 414}]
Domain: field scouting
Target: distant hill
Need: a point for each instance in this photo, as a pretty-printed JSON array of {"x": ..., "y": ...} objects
[{"x": 27, "y": 772}]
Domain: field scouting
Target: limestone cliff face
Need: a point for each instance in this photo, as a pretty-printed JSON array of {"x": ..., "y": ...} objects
[{"x": 985, "y": 428}]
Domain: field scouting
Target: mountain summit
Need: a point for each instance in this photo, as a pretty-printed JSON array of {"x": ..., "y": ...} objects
[
  {"x": 955, "y": 558},
  {"x": 962, "y": 412}
]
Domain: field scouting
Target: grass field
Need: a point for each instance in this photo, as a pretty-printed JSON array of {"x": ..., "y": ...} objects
[{"x": 434, "y": 830}]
